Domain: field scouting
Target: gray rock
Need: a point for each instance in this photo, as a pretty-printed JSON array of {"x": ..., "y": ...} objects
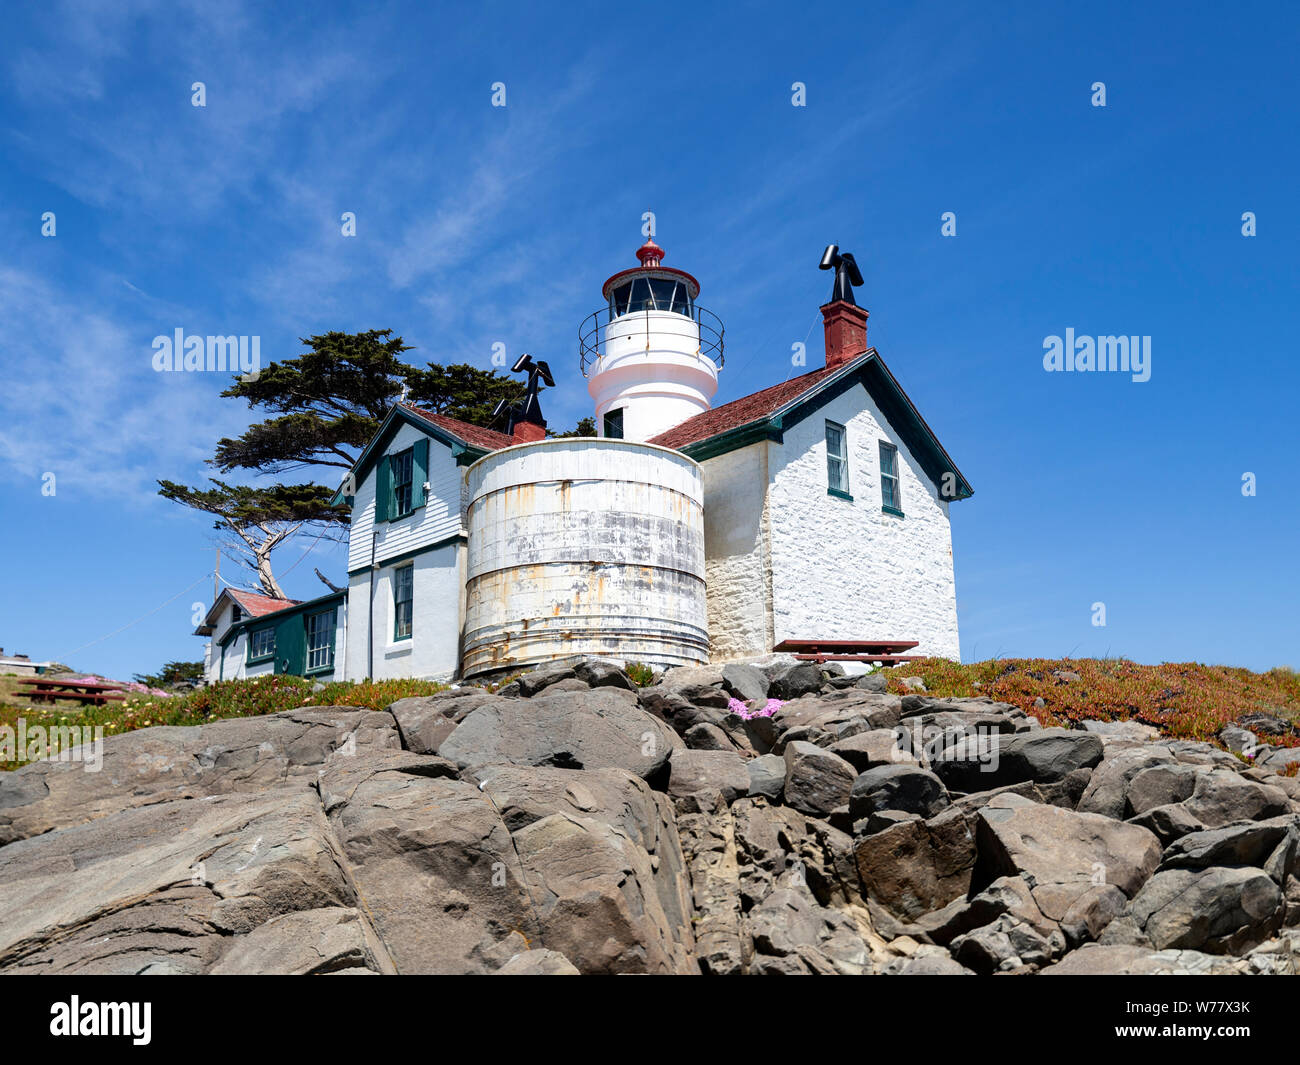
[
  {"x": 524, "y": 795},
  {"x": 1168, "y": 823},
  {"x": 912, "y": 867},
  {"x": 691, "y": 677},
  {"x": 929, "y": 965},
  {"x": 767, "y": 776},
  {"x": 603, "y": 673},
  {"x": 1218, "y": 910},
  {"x": 876, "y": 747},
  {"x": 1280, "y": 759},
  {"x": 594, "y": 730},
  {"x": 1005, "y": 945},
  {"x": 535, "y": 680},
  {"x": 915, "y": 683},
  {"x": 174, "y": 886},
  {"x": 747, "y": 683},
  {"x": 423, "y": 722},
  {"x": 706, "y": 736},
  {"x": 304, "y": 943},
  {"x": 540, "y": 962},
  {"x": 1222, "y": 796},
  {"x": 1122, "y": 730},
  {"x": 1043, "y": 756},
  {"x": 695, "y": 772},
  {"x": 1064, "y": 854},
  {"x": 877, "y": 681},
  {"x": 1107, "y": 791},
  {"x": 1160, "y": 785},
  {"x": 1250, "y": 843},
  {"x": 897, "y": 787},
  {"x": 592, "y": 891},
  {"x": 1093, "y": 959},
  {"x": 816, "y": 781},
  {"x": 152, "y": 765},
  {"x": 804, "y": 678},
  {"x": 790, "y": 923}
]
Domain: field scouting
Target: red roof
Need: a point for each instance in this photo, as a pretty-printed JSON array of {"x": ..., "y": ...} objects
[
  {"x": 257, "y": 605},
  {"x": 476, "y": 435},
  {"x": 742, "y": 411}
]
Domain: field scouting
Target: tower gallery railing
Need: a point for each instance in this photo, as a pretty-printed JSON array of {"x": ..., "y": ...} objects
[{"x": 701, "y": 329}]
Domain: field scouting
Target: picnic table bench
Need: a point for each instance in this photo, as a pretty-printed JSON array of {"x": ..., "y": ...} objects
[
  {"x": 47, "y": 690},
  {"x": 883, "y": 652}
]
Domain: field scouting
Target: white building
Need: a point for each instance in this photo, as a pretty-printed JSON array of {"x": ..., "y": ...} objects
[{"x": 813, "y": 510}]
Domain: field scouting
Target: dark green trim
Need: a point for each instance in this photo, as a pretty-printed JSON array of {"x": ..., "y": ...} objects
[
  {"x": 838, "y": 494},
  {"x": 383, "y": 488},
  {"x": 894, "y": 511},
  {"x": 393, "y": 513},
  {"x": 735, "y": 439},
  {"x": 249, "y": 660},
  {"x": 869, "y": 371},
  {"x": 414, "y": 552},
  {"x": 463, "y": 453},
  {"x": 334, "y": 633}
]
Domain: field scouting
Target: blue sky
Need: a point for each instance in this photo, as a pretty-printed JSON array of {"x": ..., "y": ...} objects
[{"x": 478, "y": 225}]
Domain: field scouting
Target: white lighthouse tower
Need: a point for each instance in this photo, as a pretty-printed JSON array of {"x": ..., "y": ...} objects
[{"x": 651, "y": 356}]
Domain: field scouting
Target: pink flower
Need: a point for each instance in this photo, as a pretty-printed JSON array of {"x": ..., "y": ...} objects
[{"x": 742, "y": 711}]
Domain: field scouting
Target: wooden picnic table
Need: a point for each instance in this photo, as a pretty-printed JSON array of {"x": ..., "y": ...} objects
[
  {"x": 49, "y": 690},
  {"x": 883, "y": 652}
]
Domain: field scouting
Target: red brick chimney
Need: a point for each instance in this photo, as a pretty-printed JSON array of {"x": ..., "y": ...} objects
[
  {"x": 528, "y": 432},
  {"x": 846, "y": 332}
]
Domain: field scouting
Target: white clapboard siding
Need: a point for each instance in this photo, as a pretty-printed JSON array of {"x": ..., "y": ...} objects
[{"x": 438, "y": 519}]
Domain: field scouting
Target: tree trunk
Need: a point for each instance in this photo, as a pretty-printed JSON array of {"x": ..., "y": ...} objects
[{"x": 265, "y": 577}]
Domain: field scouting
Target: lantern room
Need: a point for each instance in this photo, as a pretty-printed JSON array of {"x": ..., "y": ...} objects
[{"x": 651, "y": 355}]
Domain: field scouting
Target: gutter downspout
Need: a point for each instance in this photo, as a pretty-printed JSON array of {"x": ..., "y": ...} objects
[{"x": 370, "y": 617}]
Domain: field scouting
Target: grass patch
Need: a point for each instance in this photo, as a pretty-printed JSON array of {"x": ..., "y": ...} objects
[
  {"x": 253, "y": 697},
  {"x": 1185, "y": 700}
]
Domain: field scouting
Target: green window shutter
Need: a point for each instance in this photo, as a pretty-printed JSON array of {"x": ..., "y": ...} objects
[
  {"x": 383, "y": 490},
  {"x": 291, "y": 646},
  {"x": 419, "y": 471}
]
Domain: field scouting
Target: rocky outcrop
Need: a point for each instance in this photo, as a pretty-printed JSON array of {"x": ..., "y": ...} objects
[{"x": 572, "y": 823}]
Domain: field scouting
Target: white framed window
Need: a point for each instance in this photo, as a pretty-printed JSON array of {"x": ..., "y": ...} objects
[
  {"x": 261, "y": 644},
  {"x": 891, "y": 496},
  {"x": 403, "y": 601},
  {"x": 320, "y": 640},
  {"x": 837, "y": 459},
  {"x": 403, "y": 470}
]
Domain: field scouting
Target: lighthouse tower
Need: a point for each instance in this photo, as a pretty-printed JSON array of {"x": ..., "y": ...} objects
[{"x": 651, "y": 356}]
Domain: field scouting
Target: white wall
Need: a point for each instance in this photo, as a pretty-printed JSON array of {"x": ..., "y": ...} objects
[
  {"x": 433, "y": 651},
  {"x": 844, "y": 569},
  {"x": 737, "y": 575},
  {"x": 439, "y": 518}
]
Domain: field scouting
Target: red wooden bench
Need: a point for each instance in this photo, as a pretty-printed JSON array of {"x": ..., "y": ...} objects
[
  {"x": 883, "y": 652},
  {"x": 45, "y": 690}
]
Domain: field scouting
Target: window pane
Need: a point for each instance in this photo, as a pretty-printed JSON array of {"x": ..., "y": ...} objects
[
  {"x": 890, "y": 495},
  {"x": 320, "y": 637},
  {"x": 640, "y": 298},
  {"x": 837, "y": 466},
  {"x": 402, "y": 468},
  {"x": 263, "y": 643},
  {"x": 403, "y": 594},
  {"x": 614, "y": 424},
  {"x": 662, "y": 290}
]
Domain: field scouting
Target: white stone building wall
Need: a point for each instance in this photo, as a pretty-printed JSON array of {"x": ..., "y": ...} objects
[
  {"x": 737, "y": 573},
  {"x": 846, "y": 569},
  {"x": 437, "y": 606}
]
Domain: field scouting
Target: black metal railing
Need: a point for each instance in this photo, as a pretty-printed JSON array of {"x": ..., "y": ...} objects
[{"x": 704, "y": 331}]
